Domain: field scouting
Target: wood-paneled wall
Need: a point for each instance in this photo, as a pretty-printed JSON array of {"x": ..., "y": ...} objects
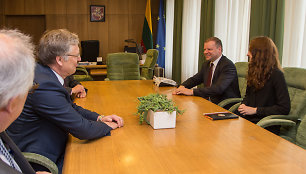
[
  {"x": 1, "y": 13},
  {"x": 123, "y": 19}
]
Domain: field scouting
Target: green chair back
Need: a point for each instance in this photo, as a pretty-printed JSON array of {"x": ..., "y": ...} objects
[
  {"x": 242, "y": 69},
  {"x": 123, "y": 66},
  {"x": 301, "y": 134},
  {"x": 296, "y": 83},
  {"x": 149, "y": 64},
  {"x": 81, "y": 74}
]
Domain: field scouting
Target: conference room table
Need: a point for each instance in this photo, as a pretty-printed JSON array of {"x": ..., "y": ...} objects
[{"x": 195, "y": 145}]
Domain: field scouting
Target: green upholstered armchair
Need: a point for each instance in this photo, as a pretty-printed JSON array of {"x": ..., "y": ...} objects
[
  {"x": 81, "y": 74},
  {"x": 123, "y": 66},
  {"x": 300, "y": 138},
  {"x": 293, "y": 131},
  {"x": 295, "y": 79},
  {"x": 148, "y": 66},
  {"x": 242, "y": 69},
  {"x": 41, "y": 160}
]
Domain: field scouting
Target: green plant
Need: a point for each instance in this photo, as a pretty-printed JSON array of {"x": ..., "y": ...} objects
[{"x": 155, "y": 102}]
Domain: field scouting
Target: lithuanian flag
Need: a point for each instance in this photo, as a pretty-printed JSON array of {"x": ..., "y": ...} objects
[{"x": 147, "y": 38}]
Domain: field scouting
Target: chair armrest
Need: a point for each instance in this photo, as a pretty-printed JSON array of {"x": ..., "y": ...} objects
[
  {"x": 142, "y": 78},
  {"x": 285, "y": 117},
  {"x": 106, "y": 79},
  {"x": 300, "y": 136},
  {"x": 234, "y": 107},
  {"x": 273, "y": 122},
  {"x": 41, "y": 160},
  {"x": 229, "y": 101},
  {"x": 82, "y": 69}
]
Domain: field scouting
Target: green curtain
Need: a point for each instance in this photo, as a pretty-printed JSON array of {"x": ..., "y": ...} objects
[
  {"x": 177, "y": 41},
  {"x": 267, "y": 19},
  {"x": 207, "y": 26}
]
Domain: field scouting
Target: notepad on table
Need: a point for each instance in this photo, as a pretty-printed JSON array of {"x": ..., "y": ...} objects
[{"x": 220, "y": 115}]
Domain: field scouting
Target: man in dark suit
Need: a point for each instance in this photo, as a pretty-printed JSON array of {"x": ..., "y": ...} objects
[
  {"x": 16, "y": 76},
  {"x": 49, "y": 114},
  {"x": 218, "y": 74}
]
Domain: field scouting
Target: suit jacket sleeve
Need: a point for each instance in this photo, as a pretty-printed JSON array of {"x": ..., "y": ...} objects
[
  {"x": 245, "y": 98},
  {"x": 224, "y": 75},
  {"x": 52, "y": 101},
  {"x": 70, "y": 82},
  {"x": 4, "y": 168},
  {"x": 69, "y": 90}
]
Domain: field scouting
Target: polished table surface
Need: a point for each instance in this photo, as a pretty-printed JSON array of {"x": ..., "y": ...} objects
[{"x": 196, "y": 145}]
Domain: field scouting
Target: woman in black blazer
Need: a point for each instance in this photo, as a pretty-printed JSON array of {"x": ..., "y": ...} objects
[{"x": 267, "y": 92}]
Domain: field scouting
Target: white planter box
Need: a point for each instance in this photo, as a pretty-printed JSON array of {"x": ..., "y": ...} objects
[{"x": 161, "y": 120}]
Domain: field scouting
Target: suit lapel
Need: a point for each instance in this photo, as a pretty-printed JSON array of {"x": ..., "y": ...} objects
[
  {"x": 4, "y": 168},
  {"x": 217, "y": 70}
]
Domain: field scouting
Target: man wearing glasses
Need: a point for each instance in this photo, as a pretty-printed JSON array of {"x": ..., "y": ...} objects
[{"x": 49, "y": 114}]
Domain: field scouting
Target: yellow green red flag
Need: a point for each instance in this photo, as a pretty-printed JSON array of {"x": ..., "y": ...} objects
[{"x": 147, "y": 36}]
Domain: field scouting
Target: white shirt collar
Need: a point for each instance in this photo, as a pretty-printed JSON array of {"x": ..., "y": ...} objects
[
  {"x": 216, "y": 61},
  {"x": 60, "y": 79}
]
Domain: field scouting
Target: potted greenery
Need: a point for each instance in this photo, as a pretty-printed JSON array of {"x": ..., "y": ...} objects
[{"x": 158, "y": 111}]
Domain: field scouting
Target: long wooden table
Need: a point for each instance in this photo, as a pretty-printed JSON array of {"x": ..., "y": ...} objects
[{"x": 196, "y": 145}]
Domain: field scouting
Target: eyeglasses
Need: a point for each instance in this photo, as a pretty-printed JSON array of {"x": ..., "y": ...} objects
[
  {"x": 77, "y": 56},
  {"x": 33, "y": 88}
]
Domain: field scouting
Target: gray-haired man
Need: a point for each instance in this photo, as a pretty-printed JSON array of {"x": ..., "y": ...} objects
[{"x": 16, "y": 76}]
